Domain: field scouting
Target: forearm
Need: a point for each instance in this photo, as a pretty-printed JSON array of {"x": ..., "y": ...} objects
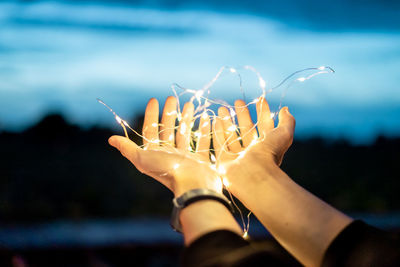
[
  {"x": 206, "y": 216},
  {"x": 301, "y": 222}
]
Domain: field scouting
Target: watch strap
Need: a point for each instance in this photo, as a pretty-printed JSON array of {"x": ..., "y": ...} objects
[{"x": 192, "y": 196}]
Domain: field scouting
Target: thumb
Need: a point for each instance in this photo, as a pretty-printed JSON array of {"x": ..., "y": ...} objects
[
  {"x": 127, "y": 148},
  {"x": 286, "y": 120}
]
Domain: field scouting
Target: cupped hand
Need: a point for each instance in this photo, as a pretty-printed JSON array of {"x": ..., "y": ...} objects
[
  {"x": 261, "y": 145},
  {"x": 167, "y": 156}
]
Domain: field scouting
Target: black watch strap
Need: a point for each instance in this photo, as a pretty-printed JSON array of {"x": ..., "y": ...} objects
[{"x": 192, "y": 196}]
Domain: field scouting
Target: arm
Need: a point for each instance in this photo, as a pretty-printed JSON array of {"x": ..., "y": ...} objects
[
  {"x": 166, "y": 157},
  {"x": 302, "y": 223}
]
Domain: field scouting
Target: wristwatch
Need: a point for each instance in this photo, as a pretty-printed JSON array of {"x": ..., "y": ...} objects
[{"x": 192, "y": 196}]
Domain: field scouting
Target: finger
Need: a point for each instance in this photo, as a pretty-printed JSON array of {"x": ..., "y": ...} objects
[
  {"x": 203, "y": 143},
  {"x": 230, "y": 130},
  {"x": 265, "y": 122},
  {"x": 247, "y": 130},
  {"x": 183, "y": 136},
  {"x": 167, "y": 127},
  {"x": 218, "y": 136},
  {"x": 150, "y": 124},
  {"x": 287, "y": 121},
  {"x": 127, "y": 148}
]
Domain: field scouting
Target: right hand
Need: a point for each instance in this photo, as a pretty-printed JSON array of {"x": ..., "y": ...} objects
[{"x": 263, "y": 150}]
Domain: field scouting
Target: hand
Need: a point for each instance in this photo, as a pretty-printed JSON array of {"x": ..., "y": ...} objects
[
  {"x": 265, "y": 148},
  {"x": 166, "y": 156}
]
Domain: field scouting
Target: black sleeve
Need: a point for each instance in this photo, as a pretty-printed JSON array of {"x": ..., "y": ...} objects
[
  {"x": 362, "y": 245},
  {"x": 225, "y": 248}
]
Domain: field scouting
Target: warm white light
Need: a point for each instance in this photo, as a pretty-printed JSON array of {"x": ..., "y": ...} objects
[
  {"x": 171, "y": 137},
  {"x": 205, "y": 124},
  {"x": 262, "y": 83},
  {"x": 154, "y": 124},
  {"x": 183, "y": 128},
  {"x": 272, "y": 114},
  {"x": 321, "y": 68},
  {"x": 119, "y": 120},
  {"x": 225, "y": 182},
  {"x": 218, "y": 185},
  {"x": 232, "y": 128},
  {"x": 171, "y": 113},
  {"x": 126, "y": 124},
  {"x": 232, "y": 112},
  {"x": 199, "y": 94},
  {"x": 254, "y": 141},
  {"x": 213, "y": 159},
  {"x": 204, "y": 115},
  {"x": 197, "y": 134},
  {"x": 241, "y": 154},
  {"x": 179, "y": 116},
  {"x": 245, "y": 235},
  {"x": 301, "y": 79},
  {"x": 176, "y": 166},
  {"x": 221, "y": 170},
  {"x": 232, "y": 70}
]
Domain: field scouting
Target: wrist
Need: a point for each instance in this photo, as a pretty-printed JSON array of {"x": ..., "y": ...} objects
[
  {"x": 250, "y": 172},
  {"x": 202, "y": 178}
]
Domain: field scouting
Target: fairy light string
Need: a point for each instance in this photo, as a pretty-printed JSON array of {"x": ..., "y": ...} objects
[{"x": 203, "y": 104}]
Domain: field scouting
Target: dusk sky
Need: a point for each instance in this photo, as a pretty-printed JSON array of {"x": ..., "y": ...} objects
[{"x": 59, "y": 56}]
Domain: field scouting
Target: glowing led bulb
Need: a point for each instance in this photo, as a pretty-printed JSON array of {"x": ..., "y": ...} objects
[
  {"x": 176, "y": 166},
  {"x": 232, "y": 112},
  {"x": 221, "y": 170},
  {"x": 262, "y": 83},
  {"x": 301, "y": 79},
  {"x": 245, "y": 235},
  {"x": 183, "y": 128},
  {"x": 179, "y": 116},
  {"x": 241, "y": 154},
  {"x": 154, "y": 124},
  {"x": 213, "y": 159},
  {"x": 225, "y": 182},
  {"x": 199, "y": 94},
  {"x": 197, "y": 134},
  {"x": 232, "y": 70},
  {"x": 254, "y": 141},
  {"x": 171, "y": 137},
  {"x": 232, "y": 128},
  {"x": 321, "y": 68},
  {"x": 204, "y": 115},
  {"x": 119, "y": 120}
]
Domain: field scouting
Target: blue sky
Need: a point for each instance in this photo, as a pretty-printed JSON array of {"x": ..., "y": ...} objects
[{"x": 61, "y": 56}]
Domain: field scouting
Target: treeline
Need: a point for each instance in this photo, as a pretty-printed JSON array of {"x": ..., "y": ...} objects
[{"x": 55, "y": 170}]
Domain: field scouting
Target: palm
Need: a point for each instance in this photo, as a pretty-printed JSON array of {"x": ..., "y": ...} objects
[
  {"x": 268, "y": 142},
  {"x": 166, "y": 155}
]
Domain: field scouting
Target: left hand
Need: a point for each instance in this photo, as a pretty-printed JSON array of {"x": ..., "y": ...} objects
[{"x": 166, "y": 156}]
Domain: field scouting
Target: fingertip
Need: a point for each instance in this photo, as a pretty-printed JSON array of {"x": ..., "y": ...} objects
[
  {"x": 240, "y": 103},
  {"x": 223, "y": 111},
  {"x": 113, "y": 141}
]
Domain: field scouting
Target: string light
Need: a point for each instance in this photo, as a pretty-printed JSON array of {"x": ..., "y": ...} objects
[{"x": 202, "y": 110}]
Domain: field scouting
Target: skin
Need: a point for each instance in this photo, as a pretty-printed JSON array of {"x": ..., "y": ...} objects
[
  {"x": 160, "y": 156},
  {"x": 301, "y": 222}
]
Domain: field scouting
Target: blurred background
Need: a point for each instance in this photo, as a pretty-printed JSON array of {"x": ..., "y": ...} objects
[{"x": 66, "y": 197}]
